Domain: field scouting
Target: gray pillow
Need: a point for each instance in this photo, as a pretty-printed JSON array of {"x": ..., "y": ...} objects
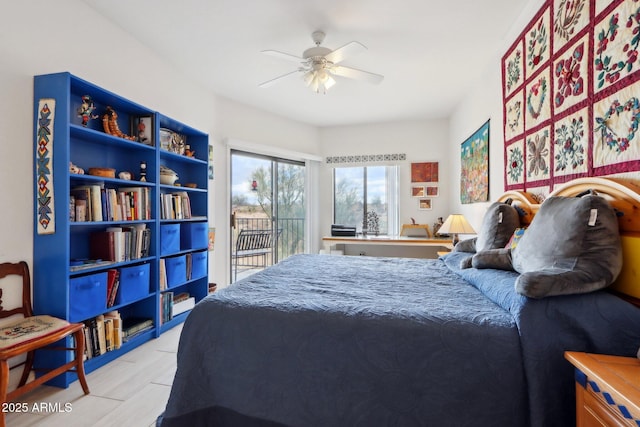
[
  {"x": 498, "y": 226},
  {"x": 572, "y": 246}
]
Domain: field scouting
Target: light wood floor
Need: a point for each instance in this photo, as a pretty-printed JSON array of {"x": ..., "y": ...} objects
[{"x": 130, "y": 391}]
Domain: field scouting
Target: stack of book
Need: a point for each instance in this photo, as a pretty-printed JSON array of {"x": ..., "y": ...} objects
[
  {"x": 175, "y": 205},
  {"x": 166, "y": 305},
  {"x": 172, "y": 305},
  {"x": 133, "y": 327},
  {"x": 120, "y": 244},
  {"x": 102, "y": 334},
  {"x": 96, "y": 203}
]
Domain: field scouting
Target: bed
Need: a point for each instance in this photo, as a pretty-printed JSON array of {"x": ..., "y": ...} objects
[{"x": 321, "y": 340}]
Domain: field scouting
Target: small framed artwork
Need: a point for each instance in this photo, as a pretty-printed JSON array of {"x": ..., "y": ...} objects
[
  {"x": 431, "y": 191},
  {"x": 417, "y": 191},
  {"x": 424, "y": 172},
  {"x": 142, "y": 129},
  {"x": 212, "y": 238},
  {"x": 424, "y": 204}
]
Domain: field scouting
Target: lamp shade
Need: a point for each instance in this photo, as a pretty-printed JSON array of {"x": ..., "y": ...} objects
[{"x": 456, "y": 224}]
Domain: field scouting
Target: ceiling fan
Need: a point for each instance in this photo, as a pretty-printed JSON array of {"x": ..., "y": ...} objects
[{"x": 319, "y": 65}]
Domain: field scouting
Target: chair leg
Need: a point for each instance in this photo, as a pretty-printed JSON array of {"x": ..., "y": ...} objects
[
  {"x": 79, "y": 354},
  {"x": 4, "y": 387},
  {"x": 28, "y": 365}
]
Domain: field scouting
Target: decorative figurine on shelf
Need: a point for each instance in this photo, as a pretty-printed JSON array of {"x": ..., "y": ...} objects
[
  {"x": 75, "y": 169},
  {"x": 110, "y": 124},
  {"x": 188, "y": 151},
  {"x": 373, "y": 223},
  {"x": 125, "y": 175},
  {"x": 86, "y": 110},
  {"x": 437, "y": 225},
  {"x": 143, "y": 171}
]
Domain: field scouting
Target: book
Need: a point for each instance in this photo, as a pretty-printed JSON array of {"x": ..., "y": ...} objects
[
  {"x": 88, "y": 350},
  {"x": 163, "y": 275},
  {"x": 146, "y": 243},
  {"x": 117, "y": 328},
  {"x": 114, "y": 290},
  {"x": 93, "y": 329},
  {"x": 102, "y": 246},
  {"x": 111, "y": 278},
  {"x": 102, "y": 344},
  {"x": 82, "y": 197},
  {"x": 108, "y": 333},
  {"x": 118, "y": 243}
]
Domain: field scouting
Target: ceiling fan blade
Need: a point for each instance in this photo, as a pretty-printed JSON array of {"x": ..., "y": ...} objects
[
  {"x": 274, "y": 80},
  {"x": 354, "y": 73},
  {"x": 283, "y": 55},
  {"x": 342, "y": 53}
]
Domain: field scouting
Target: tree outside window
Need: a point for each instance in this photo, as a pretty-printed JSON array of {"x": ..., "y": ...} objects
[{"x": 364, "y": 189}]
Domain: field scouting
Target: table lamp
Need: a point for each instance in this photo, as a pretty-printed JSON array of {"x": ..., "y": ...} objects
[{"x": 456, "y": 224}]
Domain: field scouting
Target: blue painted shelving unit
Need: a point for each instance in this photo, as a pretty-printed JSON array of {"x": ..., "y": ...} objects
[{"x": 58, "y": 240}]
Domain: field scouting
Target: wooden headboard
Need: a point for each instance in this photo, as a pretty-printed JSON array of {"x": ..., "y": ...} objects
[{"x": 624, "y": 196}]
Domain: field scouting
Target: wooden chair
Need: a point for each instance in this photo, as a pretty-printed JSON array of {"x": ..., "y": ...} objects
[{"x": 28, "y": 333}]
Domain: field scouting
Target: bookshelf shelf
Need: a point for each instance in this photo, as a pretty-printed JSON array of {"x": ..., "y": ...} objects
[{"x": 126, "y": 213}]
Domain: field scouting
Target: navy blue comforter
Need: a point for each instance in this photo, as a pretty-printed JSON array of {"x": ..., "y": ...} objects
[{"x": 356, "y": 341}]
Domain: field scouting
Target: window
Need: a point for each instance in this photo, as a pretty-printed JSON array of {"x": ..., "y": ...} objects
[{"x": 360, "y": 190}]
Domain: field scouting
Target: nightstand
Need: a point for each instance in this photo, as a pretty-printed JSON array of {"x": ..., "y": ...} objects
[{"x": 607, "y": 389}]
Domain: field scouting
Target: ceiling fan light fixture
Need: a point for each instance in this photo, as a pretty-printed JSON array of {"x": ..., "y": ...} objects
[
  {"x": 319, "y": 64},
  {"x": 319, "y": 80}
]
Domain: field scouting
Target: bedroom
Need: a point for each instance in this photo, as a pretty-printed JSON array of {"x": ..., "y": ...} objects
[{"x": 76, "y": 48}]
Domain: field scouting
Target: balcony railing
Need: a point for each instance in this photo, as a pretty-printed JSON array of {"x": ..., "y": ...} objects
[{"x": 290, "y": 241}]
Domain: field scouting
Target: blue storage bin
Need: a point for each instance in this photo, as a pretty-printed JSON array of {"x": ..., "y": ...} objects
[
  {"x": 198, "y": 264},
  {"x": 194, "y": 235},
  {"x": 169, "y": 239},
  {"x": 176, "y": 270},
  {"x": 87, "y": 296},
  {"x": 134, "y": 283}
]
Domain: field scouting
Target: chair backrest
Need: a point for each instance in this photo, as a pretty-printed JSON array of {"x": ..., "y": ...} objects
[
  {"x": 18, "y": 269},
  {"x": 249, "y": 240}
]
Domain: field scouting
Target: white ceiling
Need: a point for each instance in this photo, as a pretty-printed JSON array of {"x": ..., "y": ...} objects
[{"x": 428, "y": 50}]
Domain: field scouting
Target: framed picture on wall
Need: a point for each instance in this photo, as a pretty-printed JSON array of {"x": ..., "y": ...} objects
[
  {"x": 474, "y": 161},
  {"x": 424, "y": 204},
  {"x": 142, "y": 129},
  {"x": 424, "y": 172},
  {"x": 417, "y": 191},
  {"x": 431, "y": 191}
]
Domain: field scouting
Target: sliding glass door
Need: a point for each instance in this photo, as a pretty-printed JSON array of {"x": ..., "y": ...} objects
[{"x": 267, "y": 194}]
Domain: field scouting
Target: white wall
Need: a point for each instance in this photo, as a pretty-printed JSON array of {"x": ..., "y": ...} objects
[
  {"x": 484, "y": 102},
  {"x": 237, "y": 122},
  {"x": 420, "y": 140},
  {"x": 40, "y": 37}
]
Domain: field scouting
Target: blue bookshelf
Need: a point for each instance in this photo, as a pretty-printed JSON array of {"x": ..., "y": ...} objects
[{"x": 61, "y": 239}]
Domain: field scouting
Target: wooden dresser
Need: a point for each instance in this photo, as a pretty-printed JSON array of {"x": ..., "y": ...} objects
[{"x": 607, "y": 389}]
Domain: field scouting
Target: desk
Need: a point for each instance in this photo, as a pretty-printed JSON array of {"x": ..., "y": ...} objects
[{"x": 402, "y": 241}]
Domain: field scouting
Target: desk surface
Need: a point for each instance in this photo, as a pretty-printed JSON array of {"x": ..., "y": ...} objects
[{"x": 389, "y": 240}]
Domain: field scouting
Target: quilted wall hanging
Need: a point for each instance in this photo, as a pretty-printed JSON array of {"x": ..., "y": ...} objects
[{"x": 571, "y": 94}]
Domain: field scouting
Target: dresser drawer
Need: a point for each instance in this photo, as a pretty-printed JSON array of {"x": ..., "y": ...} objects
[{"x": 597, "y": 412}]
